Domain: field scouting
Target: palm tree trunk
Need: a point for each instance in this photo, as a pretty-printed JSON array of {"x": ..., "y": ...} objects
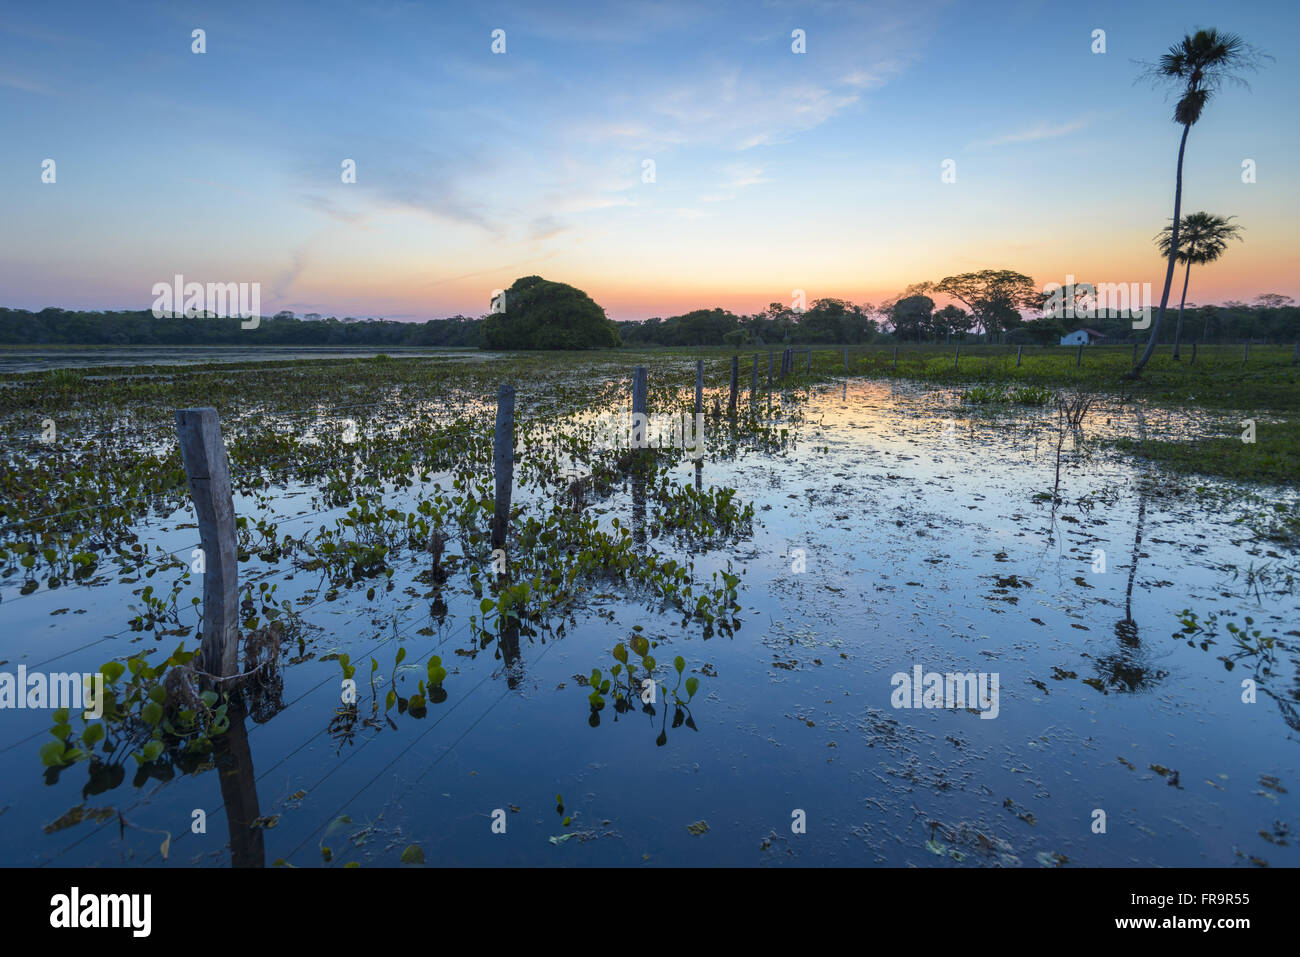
[
  {"x": 1173, "y": 256},
  {"x": 1178, "y": 329}
]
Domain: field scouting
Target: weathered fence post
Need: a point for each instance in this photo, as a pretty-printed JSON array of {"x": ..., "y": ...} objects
[
  {"x": 208, "y": 474},
  {"x": 846, "y": 360},
  {"x": 810, "y": 360},
  {"x": 1078, "y": 356},
  {"x": 769, "y": 366},
  {"x": 699, "y": 386},
  {"x": 753, "y": 383},
  {"x": 503, "y": 463},
  {"x": 1019, "y": 349},
  {"x": 735, "y": 383},
  {"x": 1193, "y": 354},
  {"x": 956, "y": 355},
  {"x": 639, "y": 388}
]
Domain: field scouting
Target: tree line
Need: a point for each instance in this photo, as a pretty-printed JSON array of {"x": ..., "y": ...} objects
[{"x": 548, "y": 315}]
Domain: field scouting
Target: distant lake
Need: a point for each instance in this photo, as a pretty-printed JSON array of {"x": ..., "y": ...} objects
[{"x": 15, "y": 359}]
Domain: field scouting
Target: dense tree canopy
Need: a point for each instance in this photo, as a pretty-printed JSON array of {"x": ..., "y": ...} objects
[
  {"x": 540, "y": 314},
  {"x": 71, "y": 327},
  {"x": 994, "y": 296}
]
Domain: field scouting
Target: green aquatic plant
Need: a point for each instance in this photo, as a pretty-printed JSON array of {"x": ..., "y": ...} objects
[{"x": 149, "y": 710}]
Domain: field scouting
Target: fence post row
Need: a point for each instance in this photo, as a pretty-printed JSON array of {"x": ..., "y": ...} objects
[
  {"x": 503, "y": 463},
  {"x": 207, "y": 472}
]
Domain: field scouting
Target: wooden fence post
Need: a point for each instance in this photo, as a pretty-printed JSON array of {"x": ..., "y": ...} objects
[
  {"x": 1019, "y": 349},
  {"x": 956, "y": 355},
  {"x": 699, "y": 386},
  {"x": 753, "y": 383},
  {"x": 503, "y": 463},
  {"x": 846, "y": 360},
  {"x": 638, "y": 389},
  {"x": 769, "y": 366},
  {"x": 1193, "y": 354},
  {"x": 208, "y": 474},
  {"x": 810, "y": 360},
  {"x": 735, "y": 383},
  {"x": 1078, "y": 356}
]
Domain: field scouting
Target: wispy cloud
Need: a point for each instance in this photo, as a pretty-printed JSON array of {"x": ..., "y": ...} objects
[
  {"x": 739, "y": 175},
  {"x": 1044, "y": 130},
  {"x": 27, "y": 86}
]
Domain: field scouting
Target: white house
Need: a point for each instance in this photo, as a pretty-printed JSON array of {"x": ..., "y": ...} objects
[{"x": 1085, "y": 337}]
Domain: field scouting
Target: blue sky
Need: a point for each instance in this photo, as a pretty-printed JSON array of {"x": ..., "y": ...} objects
[{"x": 774, "y": 171}]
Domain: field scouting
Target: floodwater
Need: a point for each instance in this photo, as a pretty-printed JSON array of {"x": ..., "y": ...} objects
[
  {"x": 896, "y": 531},
  {"x": 42, "y": 359}
]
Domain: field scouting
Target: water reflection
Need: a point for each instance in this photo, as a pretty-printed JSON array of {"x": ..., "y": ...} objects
[
  {"x": 234, "y": 761},
  {"x": 1129, "y": 668}
]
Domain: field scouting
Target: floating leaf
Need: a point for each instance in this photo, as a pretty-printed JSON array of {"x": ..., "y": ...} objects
[{"x": 413, "y": 855}]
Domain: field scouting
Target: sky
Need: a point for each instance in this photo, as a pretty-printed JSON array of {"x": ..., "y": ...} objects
[{"x": 773, "y": 170}]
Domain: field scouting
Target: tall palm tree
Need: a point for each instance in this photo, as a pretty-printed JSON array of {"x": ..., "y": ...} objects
[
  {"x": 1202, "y": 238},
  {"x": 1198, "y": 66}
]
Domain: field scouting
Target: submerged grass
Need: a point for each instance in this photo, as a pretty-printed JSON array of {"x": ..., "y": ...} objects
[{"x": 1272, "y": 458}]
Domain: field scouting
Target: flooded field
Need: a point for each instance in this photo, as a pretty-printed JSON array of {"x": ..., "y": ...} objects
[{"x": 1132, "y": 639}]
